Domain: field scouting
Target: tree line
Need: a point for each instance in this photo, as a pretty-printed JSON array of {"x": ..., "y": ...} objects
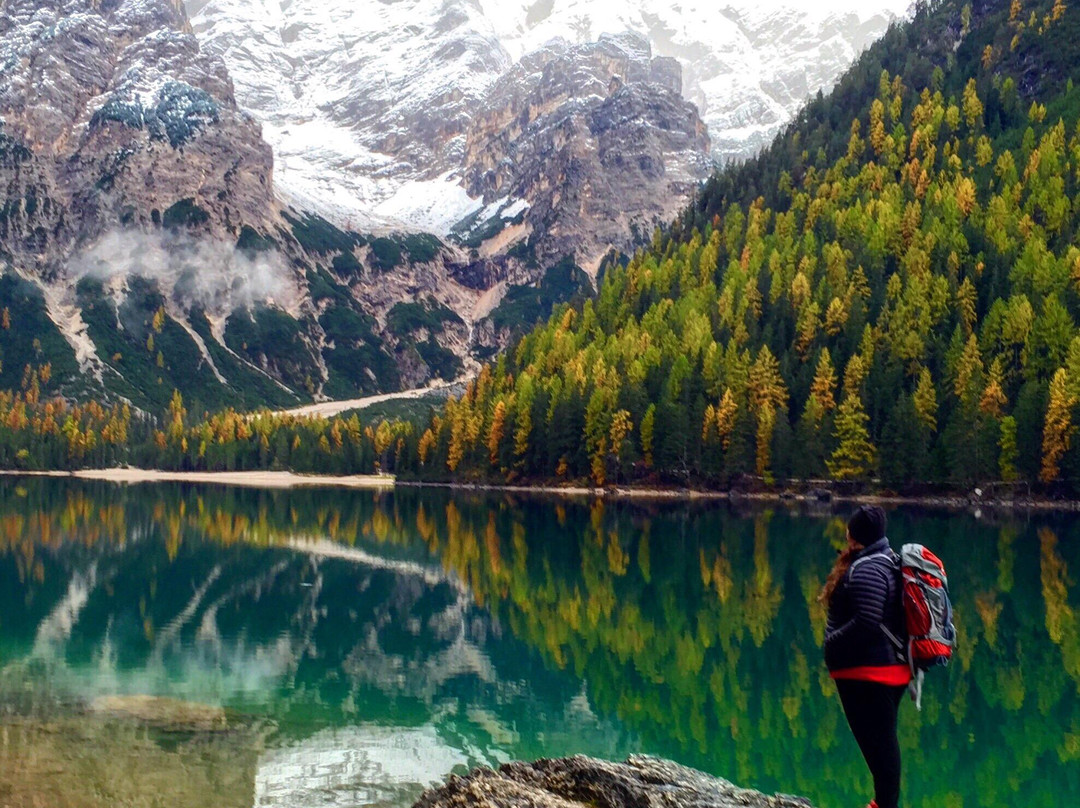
[{"x": 45, "y": 432}]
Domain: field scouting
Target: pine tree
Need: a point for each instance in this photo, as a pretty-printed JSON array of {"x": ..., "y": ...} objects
[
  {"x": 925, "y": 400},
  {"x": 993, "y": 398},
  {"x": 766, "y": 423},
  {"x": 972, "y": 106},
  {"x": 824, "y": 383},
  {"x": 809, "y": 440},
  {"x": 1008, "y": 451},
  {"x": 854, "y": 456},
  {"x": 647, "y": 430},
  {"x": 495, "y": 434},
  {"x": 725, "y": 417}
]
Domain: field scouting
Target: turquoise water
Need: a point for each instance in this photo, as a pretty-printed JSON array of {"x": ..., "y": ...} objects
[{"x": 336, "y": 648}]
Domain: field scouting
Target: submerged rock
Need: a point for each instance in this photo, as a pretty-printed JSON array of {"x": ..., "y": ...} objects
[
  {"x": 640, "y": 782},
  {"x": 171, "y": 715}
]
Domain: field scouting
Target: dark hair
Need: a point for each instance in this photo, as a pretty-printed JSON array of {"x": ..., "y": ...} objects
[{"x": 867, "y": 525}]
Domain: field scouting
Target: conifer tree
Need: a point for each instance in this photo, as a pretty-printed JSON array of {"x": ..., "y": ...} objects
[
  {"x": 854, "y": 456},
  {"x": 925, "y": 399},
  {"x": 1058, "y": 430},
  {"x": 1008, "y": 450},
  {"x": 824, "y": 384}
]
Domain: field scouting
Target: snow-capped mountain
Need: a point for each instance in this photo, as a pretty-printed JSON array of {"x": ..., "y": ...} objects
[
  {"x": 367, "y": 103},
  {"x": 360, "y": 100},
  {"x": 161, "y": 162}
]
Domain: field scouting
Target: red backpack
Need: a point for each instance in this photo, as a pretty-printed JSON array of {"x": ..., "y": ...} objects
[{"x": 927, "y": 613}]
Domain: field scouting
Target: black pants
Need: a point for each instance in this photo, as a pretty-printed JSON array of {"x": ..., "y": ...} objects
[{"x": 871, "y": 711}]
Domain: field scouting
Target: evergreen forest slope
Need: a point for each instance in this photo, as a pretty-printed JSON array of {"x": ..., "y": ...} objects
[{"x": 891, "y": 291}]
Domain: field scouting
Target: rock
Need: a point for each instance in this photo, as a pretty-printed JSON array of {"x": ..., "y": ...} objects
[
  {"x": 391, "y": 105},
  {"x": 172, "y": 715},
  {"x": 112, "y": 114},
  {"x": 640, "y": 782},
  {"x": 126, "y": 161},
  {"x": 596, "y": 138}
]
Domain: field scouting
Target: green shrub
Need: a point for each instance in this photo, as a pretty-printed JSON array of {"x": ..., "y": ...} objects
[
  {"x": 444, "y": 363},
  {"x": 184, "y": 213},
  {"x": 523, "y": 306},
  {"x": 251, "y": 241},
  {"x": 421, "y": 247},
  {"x": 385, "y": 252},
  {"x": 273, "y": 341},
  {"x": 405, "y": 318},
  {"x": 315, "y": 234},
  {"x": 357, "y": 350},
  {"x": 347, "y": 265},
  {"x": 31, "y": 338},
  {"x": 180, "y": 111},
  {"x": 129, "y": 113}
]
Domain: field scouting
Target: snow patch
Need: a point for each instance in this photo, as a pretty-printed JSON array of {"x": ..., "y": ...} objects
[{"x": 429, "y": 205}]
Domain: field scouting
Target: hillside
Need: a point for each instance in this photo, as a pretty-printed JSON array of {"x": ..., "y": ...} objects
[
  {"x": 141, "y": 245},
  {"x": 890, "y": 291},
  {"x": 372, "y": 205}
]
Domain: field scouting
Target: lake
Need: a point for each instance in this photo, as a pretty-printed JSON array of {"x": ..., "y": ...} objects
[{"x": 325, "y": 647}]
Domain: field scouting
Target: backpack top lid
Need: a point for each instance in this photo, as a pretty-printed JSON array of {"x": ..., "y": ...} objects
[{"x": 917, "y": 557}]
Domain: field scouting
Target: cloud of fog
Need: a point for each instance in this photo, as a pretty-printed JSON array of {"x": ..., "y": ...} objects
[{"x": 192, "y": 271}]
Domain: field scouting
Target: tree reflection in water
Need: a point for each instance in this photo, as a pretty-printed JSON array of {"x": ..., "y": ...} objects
[{"x": 495, "y": 627}]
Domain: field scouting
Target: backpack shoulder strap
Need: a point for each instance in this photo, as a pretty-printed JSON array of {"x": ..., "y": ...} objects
[{"x": 891, "y": 556}]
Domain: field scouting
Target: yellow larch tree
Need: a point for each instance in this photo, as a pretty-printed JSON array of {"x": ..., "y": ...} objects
[{"x": 1058, "y": 429}]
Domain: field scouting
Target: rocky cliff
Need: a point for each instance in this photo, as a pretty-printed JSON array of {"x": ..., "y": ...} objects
[
  {"x": 595, "y": 139},
  {"x": 111, "y": 113},
  {"x": 149, "y": 248},
  {"x": 124, "y": 165},
  {"x": 142, "y": 245},
  {"x": 581, "y": 781}
]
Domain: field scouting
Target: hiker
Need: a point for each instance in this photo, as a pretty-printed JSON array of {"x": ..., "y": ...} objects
[{"x": 866, "y": 620}]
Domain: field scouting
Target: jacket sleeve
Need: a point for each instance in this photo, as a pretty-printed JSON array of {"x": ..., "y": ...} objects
[{"x": 868, "y": 590}]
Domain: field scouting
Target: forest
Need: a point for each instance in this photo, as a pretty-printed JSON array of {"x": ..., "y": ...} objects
[
  {"x": 39, "y": 433},
  {"x": 890, "y": 292}
]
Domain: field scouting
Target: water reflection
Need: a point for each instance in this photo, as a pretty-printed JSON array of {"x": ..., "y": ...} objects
[{"x": 365, "y": 644}]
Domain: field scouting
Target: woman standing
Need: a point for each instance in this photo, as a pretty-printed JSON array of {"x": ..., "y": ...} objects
[{"x": 865, "y": 617}]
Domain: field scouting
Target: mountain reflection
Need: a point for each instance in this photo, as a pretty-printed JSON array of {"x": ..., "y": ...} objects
[{"x": 367, "y": 643}]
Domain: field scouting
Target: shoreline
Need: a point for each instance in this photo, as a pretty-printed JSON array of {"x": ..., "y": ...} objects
[
  {"x": 822, "y": 497},
  {"x": 943, "y": 500},
  {"x": 244, "y": 479}
]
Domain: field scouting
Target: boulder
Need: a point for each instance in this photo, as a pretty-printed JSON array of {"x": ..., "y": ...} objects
[{"x": 579, "y": 781}]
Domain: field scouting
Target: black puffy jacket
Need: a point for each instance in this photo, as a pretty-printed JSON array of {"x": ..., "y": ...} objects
[{"x": 867, "y": 597}]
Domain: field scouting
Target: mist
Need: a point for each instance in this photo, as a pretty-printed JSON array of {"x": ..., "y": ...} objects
[{"x": 191, "y": 271}]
